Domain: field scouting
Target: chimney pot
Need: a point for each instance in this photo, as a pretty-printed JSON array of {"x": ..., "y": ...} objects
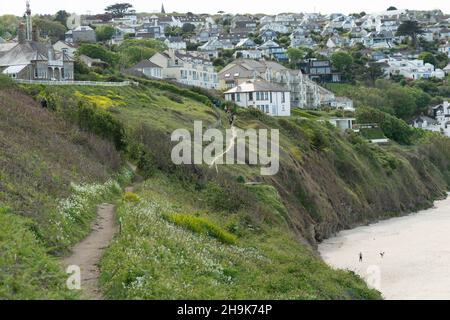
[{"x": 21, "y": 33}]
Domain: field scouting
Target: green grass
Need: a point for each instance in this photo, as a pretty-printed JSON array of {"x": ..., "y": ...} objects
[
  {"x": 158, "y": 256},
  {"x": 27, "y": 271}
]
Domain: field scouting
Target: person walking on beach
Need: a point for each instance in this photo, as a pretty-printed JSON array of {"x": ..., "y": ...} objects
[
  {"x": 360, "y": 257},
  {"x": 382, "y": 254}
]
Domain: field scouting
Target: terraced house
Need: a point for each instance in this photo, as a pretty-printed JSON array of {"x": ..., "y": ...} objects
[{"x": 186, "y": 68}]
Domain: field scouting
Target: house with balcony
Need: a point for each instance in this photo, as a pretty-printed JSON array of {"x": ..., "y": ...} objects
[
  {"x": 304, "y": 93},
  {"x": 273, "y": 50},
  {"x": 319, "y": 71},
  {"x": 270, "y": 98},
  {"x": 186, "y": 68},
  {"x": 440, "y": 121}
]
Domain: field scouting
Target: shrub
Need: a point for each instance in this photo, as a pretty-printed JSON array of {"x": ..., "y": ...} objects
[
  {"x": 173, "y": 97},
  {"x": 101, "y": 123},
  {"x": 6, "y": 82},
  {"x": 130, "y": 197},
  {"x": 226, "y": 196},
  {"x": 393, "y": 128},
  {"x": 202, "y": 226}
]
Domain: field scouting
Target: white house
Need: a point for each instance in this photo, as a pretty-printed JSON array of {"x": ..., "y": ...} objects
[
  {"x": 342, "y": 103},
  {"x": 445, "y": 48},
  {"x": 412, "y": 69},
  {"x": 248, "y": 54},
  {"x": 343, "y": 123},
  {"x": 68, "y": 48},
  {"x": 270, "y": 98},
  {"x": 175, "y": 43},
  {"x": 149, "y": 69},
  {"x": 440, "y": 123},
  {"x": 275, "y": 26},
  {"x": 186, "y": 68}
]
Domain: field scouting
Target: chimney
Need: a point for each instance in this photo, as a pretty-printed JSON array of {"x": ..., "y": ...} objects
[
  {"x": 35, "y": 34},
  {"x": 21, "y": 33}
]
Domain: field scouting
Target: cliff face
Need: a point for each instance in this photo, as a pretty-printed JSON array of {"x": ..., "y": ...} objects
[{"x": 345, "y": 181}]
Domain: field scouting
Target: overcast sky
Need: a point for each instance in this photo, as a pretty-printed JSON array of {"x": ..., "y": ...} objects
[{"x": 17, "y": 7}]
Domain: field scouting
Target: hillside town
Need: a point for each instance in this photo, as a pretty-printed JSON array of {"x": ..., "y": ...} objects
[{"x": 293, "y": 54}]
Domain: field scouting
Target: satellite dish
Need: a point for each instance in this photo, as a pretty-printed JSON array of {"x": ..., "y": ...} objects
[{"x": 73, "y": 21}]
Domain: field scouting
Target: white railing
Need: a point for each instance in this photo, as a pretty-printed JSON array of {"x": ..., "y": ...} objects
[{"x": 79, "y": 83}]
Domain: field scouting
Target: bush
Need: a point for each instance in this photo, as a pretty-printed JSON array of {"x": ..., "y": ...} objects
[
  {"x": 202, "y": 226},
  {"x": 393, "y": 128},
  {"x": 130, "y": 197},
  {"x": 101, "y": 123},
  {"x": 226, "y": 196},
  {"x": 173, "y": 97},
  {"x": 6, "y": 82}
]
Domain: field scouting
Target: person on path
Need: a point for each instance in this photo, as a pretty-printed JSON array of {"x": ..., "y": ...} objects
[
  {"x": 360, "y": 257},
  {"x": 382, "y": 254}
]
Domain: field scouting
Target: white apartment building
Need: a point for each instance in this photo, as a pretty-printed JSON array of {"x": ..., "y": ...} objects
[
  {"x": 270, "y": 98},
  {"x": 186, "y": 69}
]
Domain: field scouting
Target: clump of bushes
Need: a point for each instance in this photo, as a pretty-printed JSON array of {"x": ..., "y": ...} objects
[
  {"x": 226, "y": 196},
  {"x": 202, "y": 226},
  {"x": 393, "y": 128},
  {"x": 102, "y": 123}
]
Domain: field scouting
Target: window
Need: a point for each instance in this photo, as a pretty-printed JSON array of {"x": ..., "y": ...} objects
[
  {"x": 283, "y": 98},
  {"x": 238, "y": 97},
  {"x": 270, "y": 97},
  {"x": 266, "y": 96},
  {"x": 250, "y": 96},
  {"x": 233, "y": 97},
  {"x": 267, "y": 108},
  {"x": 257, "y": 96}
]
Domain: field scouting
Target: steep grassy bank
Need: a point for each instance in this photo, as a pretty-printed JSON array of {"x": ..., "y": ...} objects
[
  {"x": 328, "y": 180},
  {"x": 52, "y": 176}
]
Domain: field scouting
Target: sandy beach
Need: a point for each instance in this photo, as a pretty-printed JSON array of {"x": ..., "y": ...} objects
[{"x": 416, "y": 263}]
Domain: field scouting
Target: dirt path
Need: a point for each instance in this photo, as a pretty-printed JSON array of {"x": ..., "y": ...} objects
[{"x": 87, "y": 253}]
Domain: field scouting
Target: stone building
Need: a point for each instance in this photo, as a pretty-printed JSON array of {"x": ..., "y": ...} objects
[{"x": 32, "y": 59}]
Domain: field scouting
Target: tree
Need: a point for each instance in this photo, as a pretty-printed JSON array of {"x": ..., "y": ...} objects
[
  {"x": 8, "y": 23},
  {"x": 342, "y": 61},
  {"x": 372, "y": 72},
  {"x": 188, "y": 28},
  {"x": 104, "y": 33},
  {"x": 295, "y": 55},
  {"x": 52, "y": 29},
  {"x": 410, "y": 28},
  {"x": 97, "y": 51},
  {"x": 391, "y": 8},
  {"x": 133, "y": 54},
  {"x": 428, "y": 57},
  {"x": 61, "y": 16},
  {"x": 118, "y": 10},
  {"x": 170, "y": 31}
]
